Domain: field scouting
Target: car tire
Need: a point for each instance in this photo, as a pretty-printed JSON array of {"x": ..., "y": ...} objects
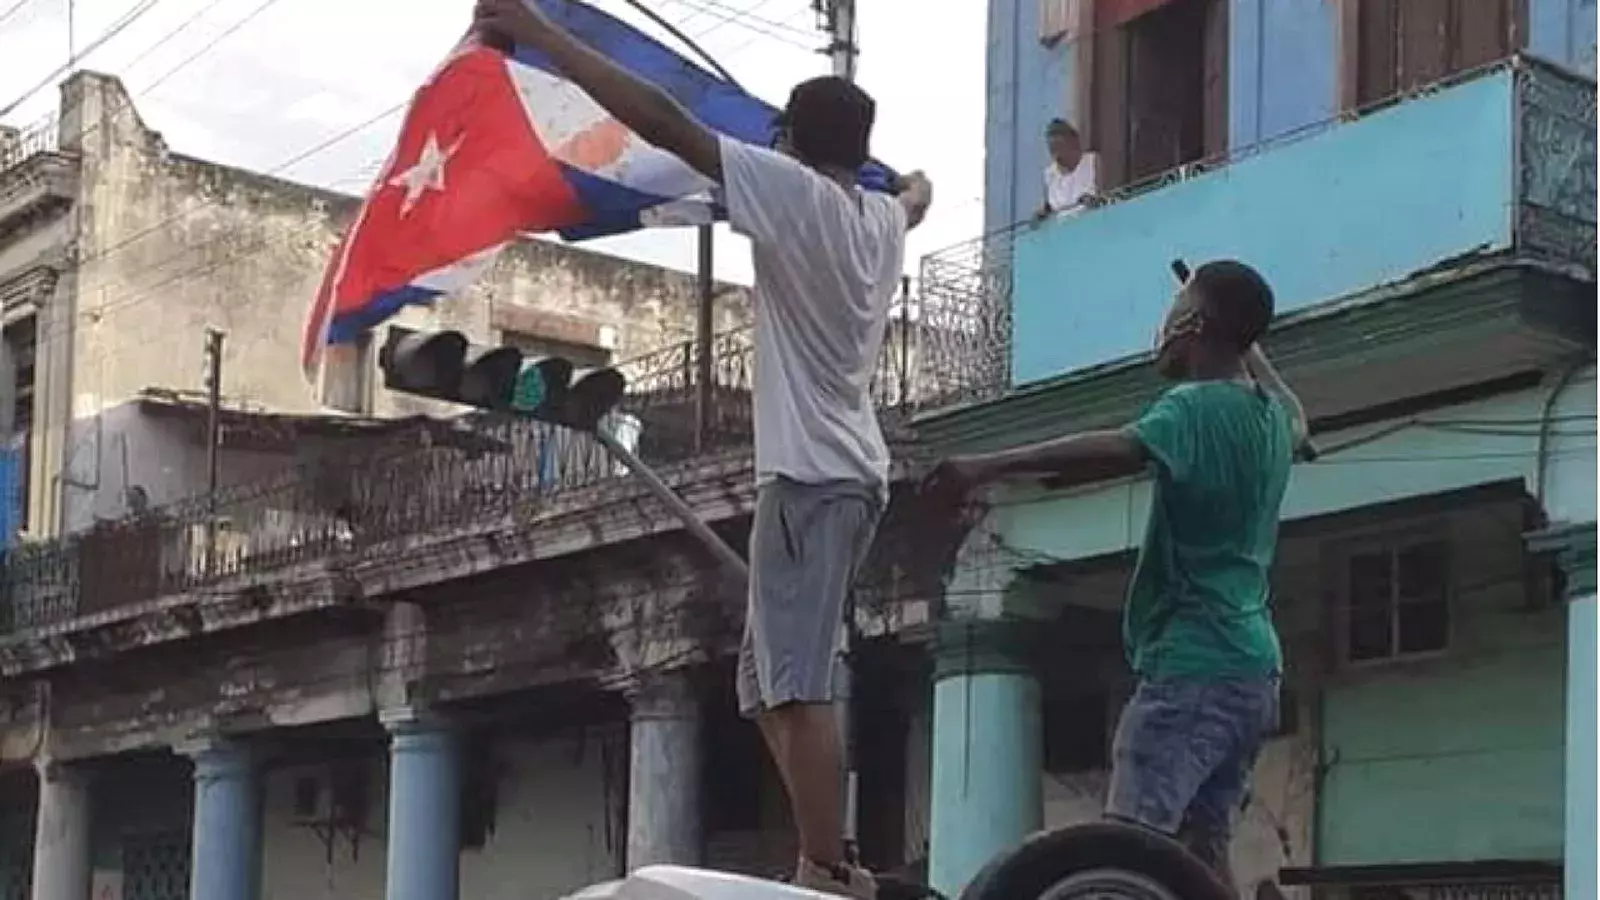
[{"x": 1114, "y": 859}]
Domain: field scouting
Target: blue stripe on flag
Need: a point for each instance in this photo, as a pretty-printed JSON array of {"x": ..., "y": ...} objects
[
  {"x": 722, "y": 106},
  {"x": 349, "y": 326}
]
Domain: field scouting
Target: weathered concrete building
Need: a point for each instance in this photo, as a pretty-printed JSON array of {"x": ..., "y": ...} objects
[{"x": 117, "y": 253}]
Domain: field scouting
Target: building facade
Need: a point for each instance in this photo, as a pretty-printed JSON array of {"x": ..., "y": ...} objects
[
  {"x": 118, "y": 252},
  {"x": 1416, "y": 180},
  {"x": 394, "y": 654}
]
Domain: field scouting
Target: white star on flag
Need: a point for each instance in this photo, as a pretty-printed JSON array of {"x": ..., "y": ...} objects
[{"x": 427, "y": 174}]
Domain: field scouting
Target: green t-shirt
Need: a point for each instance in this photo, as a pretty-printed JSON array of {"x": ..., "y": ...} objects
[{"x": 1198, "y": 603}]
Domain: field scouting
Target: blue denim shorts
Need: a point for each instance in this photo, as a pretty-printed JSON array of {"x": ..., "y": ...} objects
[{"x": 1183, "y": 756}]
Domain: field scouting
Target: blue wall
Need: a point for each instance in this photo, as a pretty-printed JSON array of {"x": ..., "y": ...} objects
[
  {"x": 13, "y": 505},
  {"x": 1358, "y": 205},
  {"x": 1283, "y": 67},
  {"x": 1029, "y": 84},
  {"x": 1563, "y": 31}
]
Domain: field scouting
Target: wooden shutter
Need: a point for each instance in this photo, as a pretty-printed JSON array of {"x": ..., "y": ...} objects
[{"x": 1401, "y": 45}]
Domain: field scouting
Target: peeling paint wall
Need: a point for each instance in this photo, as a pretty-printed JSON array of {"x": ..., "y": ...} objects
[
  {"x": 555, "y": 828},
  {"x": 169, "y": 245}
]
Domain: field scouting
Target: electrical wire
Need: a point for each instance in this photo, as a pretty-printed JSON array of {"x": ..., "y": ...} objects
[
  {"x": 99, "y": 312},
  {"x": 13, "y": 9},
  {"x": 111, "y": 32}
]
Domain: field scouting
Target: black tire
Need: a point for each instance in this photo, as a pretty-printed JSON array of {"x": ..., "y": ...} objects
[{"x": 1047, "y": 858}]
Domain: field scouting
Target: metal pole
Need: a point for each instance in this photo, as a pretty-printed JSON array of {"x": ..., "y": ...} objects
[
  {"x": 720, "y": 548},
  {"x": 704, "y": 389},
  {"x": 213, "y": 437},
  {"x": 905, "y": 342},
  {"x": 843, "y": 51},
  {"x": 842, "y": 30}
]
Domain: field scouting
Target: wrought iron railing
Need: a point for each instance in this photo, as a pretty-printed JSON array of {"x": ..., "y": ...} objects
[
  {"x": 966, "y": 290},
  {"x": 363, "y": 499}
]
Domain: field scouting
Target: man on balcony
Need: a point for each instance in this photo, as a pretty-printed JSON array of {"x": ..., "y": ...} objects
[
  {"x": 828, "y": 259},
  {"x": 1070, "y": 176}
]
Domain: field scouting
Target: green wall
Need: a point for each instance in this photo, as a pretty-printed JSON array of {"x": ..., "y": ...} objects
[{"x": 1454, "y": 759}]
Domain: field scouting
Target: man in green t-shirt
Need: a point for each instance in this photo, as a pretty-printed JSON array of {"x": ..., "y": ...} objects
[{"x": 1197, "y": 628}]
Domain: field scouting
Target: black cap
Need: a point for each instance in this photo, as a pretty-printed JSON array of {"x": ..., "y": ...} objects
[{"x": 829, "y": 121}]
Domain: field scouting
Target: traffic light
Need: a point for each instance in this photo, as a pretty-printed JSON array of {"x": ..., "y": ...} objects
[{"x": 444, "y": 365}]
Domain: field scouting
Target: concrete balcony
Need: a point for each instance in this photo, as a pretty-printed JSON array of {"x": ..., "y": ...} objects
[
  {"x": 1495, "y": 165},
  {"x": 40, "y": 183}
]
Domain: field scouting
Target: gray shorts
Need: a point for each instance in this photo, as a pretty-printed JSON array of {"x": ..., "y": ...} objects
[{"x": 806, "y": 543}]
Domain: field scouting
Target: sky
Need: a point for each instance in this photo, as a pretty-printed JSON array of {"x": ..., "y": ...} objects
[{"x": 256, "y": 83}]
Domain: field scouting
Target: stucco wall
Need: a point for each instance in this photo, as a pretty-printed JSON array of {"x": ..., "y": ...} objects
[{"x": 169, "y": 245}]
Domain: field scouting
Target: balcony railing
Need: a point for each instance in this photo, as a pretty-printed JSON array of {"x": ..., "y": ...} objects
[
  {"x": 1494, "y": 160},
  {"x": 28, "y": 141},
  {"x": 312, "y": 512}
]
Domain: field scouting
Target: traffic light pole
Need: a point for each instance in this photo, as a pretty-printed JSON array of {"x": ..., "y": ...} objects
[{"x": 720, "y": 548}]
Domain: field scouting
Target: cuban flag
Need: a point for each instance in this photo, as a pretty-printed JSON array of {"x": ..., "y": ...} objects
[{"x": 498, "y": 145}]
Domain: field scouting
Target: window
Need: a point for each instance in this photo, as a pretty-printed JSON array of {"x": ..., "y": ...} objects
[
  {"x": 348, "y": 379},
  {"x": 583, "y": 356},
  {"x": 1403, "y": 44},
  {"x": 1157, "y": 80},
  {"x": 1396, "y": 602}
]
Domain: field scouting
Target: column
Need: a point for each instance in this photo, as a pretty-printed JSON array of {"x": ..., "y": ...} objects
[
  {"x": 664, "y": 772},
  {"x": 61, "y": 838},
  {"x": 1574, "y": 549},
  {"x": 226, "y": 857},
  {"x": 424, "y": 807},
  {"x": 987, "y": 792}
]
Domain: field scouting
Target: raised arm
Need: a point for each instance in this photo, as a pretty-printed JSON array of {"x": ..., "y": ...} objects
[
  {"x": 1263, "y": 371},
  {"x": 640, "y": 105}
]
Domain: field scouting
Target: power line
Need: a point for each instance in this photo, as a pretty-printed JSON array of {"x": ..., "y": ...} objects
[
  {"x": 148, "y": 292},
  {"x": 115, "y": 29},
  {"x": 13, "y": 9}
]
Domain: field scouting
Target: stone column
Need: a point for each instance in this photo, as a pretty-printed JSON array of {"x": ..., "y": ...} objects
[
  {"x": 1574, "y": 549},
  {"x": 226, "y": 857},
  {"x": 987, "y": 792},
  {"x": 424, "y": 861},
  {"x": 664, "y": 772},
  {"x": 61, "y": 837}
]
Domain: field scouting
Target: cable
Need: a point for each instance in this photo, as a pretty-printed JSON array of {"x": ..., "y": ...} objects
[
  {"x": 13, "y": 9},
  {"x": 147, "y": 293},
  {"x": 780, "y": 38},
  {"x": 115, "y": 29}
]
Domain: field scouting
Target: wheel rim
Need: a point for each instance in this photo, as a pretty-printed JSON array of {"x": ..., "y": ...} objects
[{"x": 1109, "y": 884}]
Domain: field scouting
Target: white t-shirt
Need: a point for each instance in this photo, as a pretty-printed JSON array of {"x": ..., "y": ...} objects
[
  {"x": 827, "y": 263},
  {"x": 1064, "y": 189}
]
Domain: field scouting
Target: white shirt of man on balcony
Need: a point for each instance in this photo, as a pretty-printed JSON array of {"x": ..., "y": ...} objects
[{"x": 1071, "y": 175}]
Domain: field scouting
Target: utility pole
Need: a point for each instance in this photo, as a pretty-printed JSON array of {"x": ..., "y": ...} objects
[
  {"x": 704, "y": 390},
  {"x": 838, "y": 19},
  {"x": 213, "y": 437}
]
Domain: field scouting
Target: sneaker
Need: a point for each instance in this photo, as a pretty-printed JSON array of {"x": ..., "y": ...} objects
[{"x": 840, "y": 880}]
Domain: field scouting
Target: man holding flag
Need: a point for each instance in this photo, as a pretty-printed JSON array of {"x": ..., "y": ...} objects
[{"x": 828, "y": 257}]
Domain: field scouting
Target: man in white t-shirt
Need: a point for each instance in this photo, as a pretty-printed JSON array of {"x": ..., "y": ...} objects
[
  {"x": 828, "y": 258},
  {"x": 1069, "y": 177}
]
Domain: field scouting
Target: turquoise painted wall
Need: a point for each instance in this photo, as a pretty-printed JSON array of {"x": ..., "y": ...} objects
[
  {"x": 1028, "y": 86},
  {"x": 1457, "y": 759},
  {"x": 1410, "y": 462},
  {"x": 1283, "y": 69},
  {"x": 1563, "y": 31},
  {"x": 1358, "y": 205}
]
